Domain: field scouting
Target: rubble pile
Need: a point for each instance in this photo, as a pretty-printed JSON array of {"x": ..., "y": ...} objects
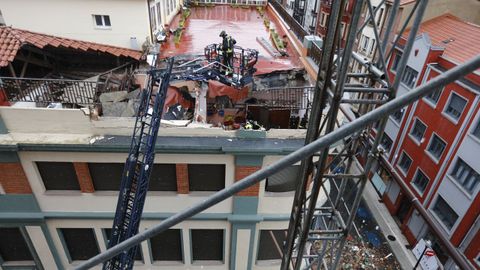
[{"x": 120, "y": 103}]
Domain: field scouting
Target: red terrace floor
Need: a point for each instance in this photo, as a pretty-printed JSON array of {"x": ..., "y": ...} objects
[{"x": 244, "y": 25}]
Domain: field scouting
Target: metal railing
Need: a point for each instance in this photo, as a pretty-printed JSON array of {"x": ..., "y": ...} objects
[
  {"x": 288, "y": 98},
  {"x": 296, "y": 27},
  {"x": 49, "y": 90},
  {"x": 315, "y": 53}
]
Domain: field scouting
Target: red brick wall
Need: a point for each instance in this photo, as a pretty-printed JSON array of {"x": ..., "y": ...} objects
[
  {"x": 83, "y": 176},
  {"x": 243, "y": 171},
  {"x": 13, "y": 179},
  {"x": 182, "y": 178}
]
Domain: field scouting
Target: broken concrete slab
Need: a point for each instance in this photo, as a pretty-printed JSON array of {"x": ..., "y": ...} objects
[
  {"x": 131, "y": 109},
  {"x": 114, "y": 109},
  {"x": 135, "y": 94},
  {"x": 116, "y": 96}
]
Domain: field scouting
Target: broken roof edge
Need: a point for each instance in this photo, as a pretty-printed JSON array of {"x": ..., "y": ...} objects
[{"x": 13, "y": 39}]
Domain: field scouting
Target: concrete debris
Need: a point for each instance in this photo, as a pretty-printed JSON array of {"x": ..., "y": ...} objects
[
  {"x": 114, "y": 109},
  {"x": 97, "y": 138},
  {"x": 135, "y": 94},
  {"x": 113, "y": 96}
]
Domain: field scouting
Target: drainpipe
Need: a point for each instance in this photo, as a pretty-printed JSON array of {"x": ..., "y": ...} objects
[{"x": 150, "y": 21}]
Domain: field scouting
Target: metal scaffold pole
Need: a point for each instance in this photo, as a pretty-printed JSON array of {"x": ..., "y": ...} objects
[{"x": 325, "y": 202}]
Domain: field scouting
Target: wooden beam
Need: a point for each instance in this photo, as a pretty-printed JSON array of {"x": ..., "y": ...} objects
[
  {"x": 12, "y": 70},
  {"x": 25, "y": 65},
  {"x": 34, "y": 61}
]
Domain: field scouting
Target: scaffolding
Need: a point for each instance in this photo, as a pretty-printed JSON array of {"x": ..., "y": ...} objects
[{"x": 317, "y": 234}]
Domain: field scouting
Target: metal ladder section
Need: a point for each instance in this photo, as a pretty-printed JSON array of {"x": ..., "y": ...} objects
[{"x": 138, "y": 167}]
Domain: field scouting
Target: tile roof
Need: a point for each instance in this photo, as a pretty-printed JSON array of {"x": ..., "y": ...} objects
[
  {"x": 11, "y": 40},
  {"x": 460, "y": 39}
]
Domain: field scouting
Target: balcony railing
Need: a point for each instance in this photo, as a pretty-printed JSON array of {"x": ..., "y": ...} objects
[
  {"x": 315, "y": 53},
  {"x": 49, "y": 90},
  {"x": 299, "y": 98},
  {"x": 296, "y": 28}
]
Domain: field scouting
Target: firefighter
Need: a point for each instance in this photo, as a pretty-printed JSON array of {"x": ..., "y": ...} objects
[{"x": 227, "y": 49}]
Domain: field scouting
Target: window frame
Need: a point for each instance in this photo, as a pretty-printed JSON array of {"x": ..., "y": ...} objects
[
  {"x": 457, "y": 182},
  {"x": 28, "y": 245},
  {"x": 414, "y": 139},
  {"x": 431, "y": 102},
  {"x": 396, "y": 60},
  {"x": 447, "y": 115},
  {"x": 104, "y": 26},
  {"x": 416, "y": 187},
  {"x": 208, "y": 262},
  {"x": 427, "y": 149},
  {"x": 262, "y": 262},
  {"x": 404, "y": 75},
  {"x": 387, "y": 151},
  {"x": 402, "y": 110},
  {"x": 58, "y": 191},
  {"x": 65, "y": 245},
  {"x": 168, "y": 262},
  {"x": 404, "y": 172},
  {"x": 432, "y": 209}
]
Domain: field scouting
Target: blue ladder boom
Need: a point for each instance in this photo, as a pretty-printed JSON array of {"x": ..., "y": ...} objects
[{"x": 138, "y": 166}]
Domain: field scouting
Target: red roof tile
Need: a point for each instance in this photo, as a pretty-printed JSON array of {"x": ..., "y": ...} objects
[
  {"x": 460, "y": 39},
  {"x": 11, "y": 40}
]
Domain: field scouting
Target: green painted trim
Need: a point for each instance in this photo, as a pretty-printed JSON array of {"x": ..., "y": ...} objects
[
  {"x": 249, "y": 160},
  {"x": 245, "y": 205},
  {"x": 64, "y": 245},
  {"x": 9, "y": 157},
  {"x": 254, "y": 134},
  {"x": 31, "y": 247},
  {"x": 18, "y": 203},
  {"x": 3, "y": 128},
  {"x": 24, "y": 218},
  {"x": 51, "y": 245},
  {"x": 164, "y": 150}
]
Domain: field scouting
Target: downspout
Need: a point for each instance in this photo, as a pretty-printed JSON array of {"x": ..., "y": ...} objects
[{"x": 150, "y": 21}]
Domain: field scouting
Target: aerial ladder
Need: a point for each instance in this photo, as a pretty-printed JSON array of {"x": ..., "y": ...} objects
[{"x": 139, "y": 163}]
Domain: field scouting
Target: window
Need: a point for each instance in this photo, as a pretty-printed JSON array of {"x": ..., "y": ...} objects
[
  {"x": 445, "y": 213},
  {"x": 386, "y": 142},
  {"x": 397, "y": 116},
  {"x": 342, "y": 29},
  {"x": 167, "y": 246},
  {"x": 58, "y": 175},
  {"x": 153, "y": 19},
  {"x": 163, "y": 178},
  {"x": 322, "y": 19},
  {"x": 396, "y": 61},
  {"x": 434, "y": 96},
  {"x": 159, "y": 14},
  {"x": 13, "y": 246},
  {"x": 106, "y": 176},
  {"x": 206, "y": 177},
  {"x": 270, "y": 245},
  {"x": 207, "y": 245},
  {"x": 420, "y": 181},
  {"x": 436, "y": 147},
  {"x": 285, "y": 180},
  {"x": 418, "y": 130},
  {"x": 455, "y": 106},
  {"x": 80, "y": 243},
  {"x": 465, "y": 175},
  {"x": 379, "y": 16},
  {"x": 372, "y": 47},
  {"x": 138, "y": 253},
  {"x": 476, "y": 131},
  {"x": 102, "y": 21},
  {"x": 405, "y": 163},
  {"x": 366, "y": 41},
  {"x": 409, "y": 77}
]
